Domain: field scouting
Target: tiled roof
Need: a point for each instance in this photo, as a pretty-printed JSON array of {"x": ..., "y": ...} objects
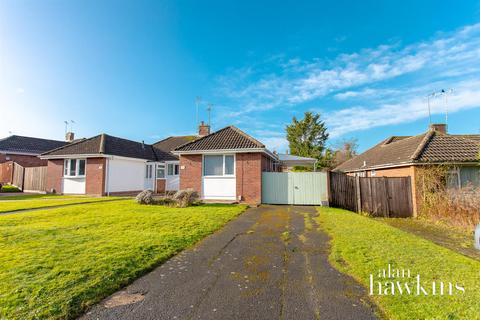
[
  {"x": 28, "y": 144},
  {"x": 228, "y": 138},
  {"x": 109, "y": 145},
  {"x": 170, "y": 143},
  {"x": 429, "y": 147},
  {"x": 450, "y": 148}
]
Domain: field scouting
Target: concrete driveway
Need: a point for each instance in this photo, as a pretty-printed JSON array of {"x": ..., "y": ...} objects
[{"x": 270, "y": 263}]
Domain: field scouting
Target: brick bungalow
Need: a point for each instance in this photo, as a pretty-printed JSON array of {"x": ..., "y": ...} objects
[
  {"x": 23, "y": 151},
  {"x": 225, "y": 165},
  {"x": 400, "y": 156},
  {"x": 108, "y": 165}
]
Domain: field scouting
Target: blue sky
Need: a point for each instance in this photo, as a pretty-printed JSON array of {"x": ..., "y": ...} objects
[{"x": 133, "y": 68}]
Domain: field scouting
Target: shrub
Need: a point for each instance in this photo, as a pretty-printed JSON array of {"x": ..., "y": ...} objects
[
  {"x": 145, "y": 197},
  {"x": 9, "y": 188},
  {"x": 456, "y": 207},
  {"x": 185, "y": 198}
]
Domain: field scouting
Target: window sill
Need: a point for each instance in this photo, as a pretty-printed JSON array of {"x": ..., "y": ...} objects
[{"x": 74, "y": 177}]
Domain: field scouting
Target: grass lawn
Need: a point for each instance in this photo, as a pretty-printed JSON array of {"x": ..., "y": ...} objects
[
  {"x": 15, "y": 204},
  {"x": 451, "y": 238},
  {"x": 57, "y": 262},
  {"x": 362, "y": 246},
  {"x": 30, "y": 196}
]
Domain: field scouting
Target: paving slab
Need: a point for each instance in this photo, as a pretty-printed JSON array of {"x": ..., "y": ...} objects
[{"x": 269, "y": 263}]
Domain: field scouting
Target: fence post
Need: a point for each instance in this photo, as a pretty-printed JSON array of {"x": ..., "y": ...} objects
[
  {"x": 387, "y": 195},
  {"x": 358, "y": 194}
]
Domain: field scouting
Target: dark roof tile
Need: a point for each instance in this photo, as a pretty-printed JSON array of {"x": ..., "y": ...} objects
[
  {"x": 23, "y": 144},
  {"x": 228, "y": 138},
  {"x": 106, "y": 144},
  {"x": 431, "y": 146}
]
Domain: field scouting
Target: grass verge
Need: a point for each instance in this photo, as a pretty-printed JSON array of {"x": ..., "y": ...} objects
[
  {"x": 454, "y": 239},
  {"x": 58, "y": 262},
  {"x": 362, "y": 246},
  {"x": 35, "y": 203}
]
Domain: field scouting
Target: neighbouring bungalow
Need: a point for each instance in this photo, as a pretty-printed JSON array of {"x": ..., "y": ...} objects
[
  {"x": 226, "y": 165},
  {"x": 25, "y": 150},
  {"x": 108, "y": 165},
  {"x": 400, "y": 156}
]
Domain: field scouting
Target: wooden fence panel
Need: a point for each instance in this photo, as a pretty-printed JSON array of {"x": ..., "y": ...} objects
[
  {"x": 35, "y": 179},
  {"x": 342, "y": 191},
  {"x": 18, "y": 172},
  {"x": 379, "y": 196},
  {"x": 400, "y": 197}
]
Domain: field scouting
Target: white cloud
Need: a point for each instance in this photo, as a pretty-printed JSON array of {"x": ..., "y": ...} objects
[
  {"x": 410, "y": 108},
  {"x": 376, "y": 86}
]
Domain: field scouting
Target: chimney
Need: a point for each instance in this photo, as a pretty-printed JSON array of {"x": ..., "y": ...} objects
[
  {"x": 69, "y": 136},
  {"x": 203, "y": 129},
  {"x": 440, "y": 127}
]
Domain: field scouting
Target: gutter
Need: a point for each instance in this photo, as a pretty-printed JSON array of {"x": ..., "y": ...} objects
[{"x": 405, "y": 164}]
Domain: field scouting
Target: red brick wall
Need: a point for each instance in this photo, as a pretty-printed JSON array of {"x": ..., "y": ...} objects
[
  {"x": 55, "y": 175},
  {"x": 23, "y": 160},
  {"x": 6, "y": 172},
  {"x": 95, "y": 176},
  {"x": 191, "y": 172},
  {"x": 249, "y": 177}
]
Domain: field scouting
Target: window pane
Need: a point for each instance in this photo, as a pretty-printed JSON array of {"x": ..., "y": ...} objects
[
  {"x": 176, "y": 169},
  {"x": 73, "y": 167},
  {"x": 146, "y": 171},
  {"x": 213, "y": 166},
  {"x": 81, "y": 167},
  {"x": 229, "y": 164},
  {"x": 170, "y": 169},
  {"x": 65, "y": 168},
  {"x": 160, "y": 172}
]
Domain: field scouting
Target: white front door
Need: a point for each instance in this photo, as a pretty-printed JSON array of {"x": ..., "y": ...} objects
[
  {"x": 219, "y": 180},
  {"x": 172, "y": 176}
]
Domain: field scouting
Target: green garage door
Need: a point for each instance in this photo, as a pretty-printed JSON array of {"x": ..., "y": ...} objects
[{"x": 302, "y": 188}]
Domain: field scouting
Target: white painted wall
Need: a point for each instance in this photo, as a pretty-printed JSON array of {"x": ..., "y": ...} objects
[
  {"x": 219, "y": 188},
  {"x": 124, "y": 174},
  {"x": 73, "y": 185}
]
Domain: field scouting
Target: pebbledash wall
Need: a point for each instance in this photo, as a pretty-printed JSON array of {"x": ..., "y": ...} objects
[{"x": 248, "y": 174}]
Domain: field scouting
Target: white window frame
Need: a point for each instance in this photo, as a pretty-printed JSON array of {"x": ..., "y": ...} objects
[
  {"x": 223, "y": 166},
  {"x": 66, "y": 168},
  {"x": 149, "y": 171},
  {"x": 161, "y": 166},
  {"x": 175, "y": 165}
]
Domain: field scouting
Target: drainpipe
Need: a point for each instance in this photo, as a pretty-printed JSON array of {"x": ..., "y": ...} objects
[{"x": 106, "y": 176}]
